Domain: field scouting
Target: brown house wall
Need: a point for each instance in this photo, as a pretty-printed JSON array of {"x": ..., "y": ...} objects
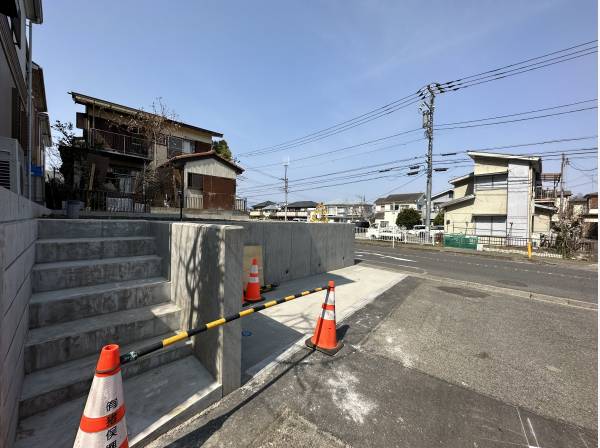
[{"x": 218, "y": 192}]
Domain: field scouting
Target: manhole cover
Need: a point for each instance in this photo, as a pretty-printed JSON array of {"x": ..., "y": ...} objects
[
  {"x": 464, "y": 292},
  {"x": 246, "y": 333}
]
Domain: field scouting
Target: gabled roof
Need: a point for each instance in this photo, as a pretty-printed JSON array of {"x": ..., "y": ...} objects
[
  {"x": 457, "y": 201},
  {"x": 442, "y": 193},
  {"x": 461, "y": 178},
  {"x": 302, "y": 204},
  {"x": 401, "y": 198},
  {"x": 497, "y": 155},
  {"x": 80, "y": 98},
  {"x": 262, "y": 205},
  {"x": 182, "y": 159}
]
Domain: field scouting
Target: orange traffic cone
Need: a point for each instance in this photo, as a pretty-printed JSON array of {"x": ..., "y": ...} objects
[
  {"x": 325, "y": 337},
  {"x": 252, "y": 291},
  {"x": 103, "y": 422}
]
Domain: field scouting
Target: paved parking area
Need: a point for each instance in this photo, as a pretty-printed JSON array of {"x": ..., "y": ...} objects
[{"x": 423, "y": 366}]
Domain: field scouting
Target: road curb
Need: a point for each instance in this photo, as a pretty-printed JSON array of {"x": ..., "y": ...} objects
[{"x": 512, "y": 292}]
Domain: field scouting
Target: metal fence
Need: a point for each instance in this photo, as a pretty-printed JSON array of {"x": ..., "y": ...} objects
[
  {"x": 545, "y": 246},
  {"x": 394, "y": 235}
]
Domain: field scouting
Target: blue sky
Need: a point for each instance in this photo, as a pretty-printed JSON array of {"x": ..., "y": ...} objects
[{"x": 264, "y": 72}]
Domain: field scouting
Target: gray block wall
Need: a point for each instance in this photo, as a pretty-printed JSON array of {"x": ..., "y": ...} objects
[
  {"x": 294, "y": 250},
  {"x": 205, "y": 269},
  {"x": 18, "y": 232}
]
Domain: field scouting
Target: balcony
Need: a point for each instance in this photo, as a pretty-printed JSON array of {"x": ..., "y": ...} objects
[
  {"x": 546, "y": 194},
  {"x": 128, "y": 145}
]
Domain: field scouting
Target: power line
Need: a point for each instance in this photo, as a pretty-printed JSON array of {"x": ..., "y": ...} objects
[
  {"x": 387, "y": 137},
  {"x": 519, "y": 113},
  {"x": 517, "y": 145},
  {"x": 505, "y": 71},
  {"x": 518, "y": 119}
]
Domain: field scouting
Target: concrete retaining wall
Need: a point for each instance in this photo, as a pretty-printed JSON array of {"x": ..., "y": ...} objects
[
  {"x": 204, "y": 264},
  {"x": 294, "y": 250},
  {"x": 18, "y": 232}
]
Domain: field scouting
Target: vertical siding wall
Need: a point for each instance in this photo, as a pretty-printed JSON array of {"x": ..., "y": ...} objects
[{"x": 18, "y": 232}]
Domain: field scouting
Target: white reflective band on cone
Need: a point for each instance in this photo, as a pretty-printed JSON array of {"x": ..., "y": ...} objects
[
  {"x": 103, "y": 393},
  {"x": 104, "y": 438},
  {"x": 252, "y": 279},
  {"x": 328, "y": 314}
]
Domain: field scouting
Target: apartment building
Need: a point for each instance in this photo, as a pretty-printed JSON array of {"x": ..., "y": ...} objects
[
  {"x": 499, "y": 197},
  {"x": 22, "y": 154},
  {"x": 387, "y": 209}
]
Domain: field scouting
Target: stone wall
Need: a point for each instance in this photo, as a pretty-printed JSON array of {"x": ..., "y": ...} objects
[{"x": 18, "y": 232}]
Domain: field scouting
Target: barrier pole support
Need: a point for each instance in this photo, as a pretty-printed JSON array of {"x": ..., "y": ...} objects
[{"x": 133, "y": 355}]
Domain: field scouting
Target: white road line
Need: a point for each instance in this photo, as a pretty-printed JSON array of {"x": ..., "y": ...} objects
[
  {"x": 387, "y": 256},
  {"x": 537, "y": 444},
  {"x": 523, "y": 427}
]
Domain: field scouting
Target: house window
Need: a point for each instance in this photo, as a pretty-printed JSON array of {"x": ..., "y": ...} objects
[
  {"x": 490, "y": 182},
  {"x": 175, "y": 144},
  {"x": 396, "y": 206},
  {"x": 194, "y": 181}
]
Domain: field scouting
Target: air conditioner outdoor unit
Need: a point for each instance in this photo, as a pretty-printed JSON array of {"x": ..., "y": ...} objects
[{"x": 12, "y": 173}]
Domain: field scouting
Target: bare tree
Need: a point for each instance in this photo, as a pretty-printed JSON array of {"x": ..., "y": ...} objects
[{"x": 151, "y": 127}]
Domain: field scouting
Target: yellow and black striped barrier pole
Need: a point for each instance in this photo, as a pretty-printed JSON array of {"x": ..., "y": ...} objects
[{"x": 133, "y": 355}]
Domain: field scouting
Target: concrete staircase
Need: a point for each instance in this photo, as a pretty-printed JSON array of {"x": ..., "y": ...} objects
[{"x": 97, "y": 282}]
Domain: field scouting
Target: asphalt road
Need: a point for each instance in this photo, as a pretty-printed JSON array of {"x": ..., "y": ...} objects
[
  {"x": 557, "y": 279},
  {"x": 424, "y": 365}
]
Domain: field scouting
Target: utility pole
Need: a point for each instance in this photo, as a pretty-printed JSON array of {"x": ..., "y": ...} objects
[
  {"x": 563, "y": 163},
  {"x": 285, "y": 187},
  {"x": 428, "y": 126}
]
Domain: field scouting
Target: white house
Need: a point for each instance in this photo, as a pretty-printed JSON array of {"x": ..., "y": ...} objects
[{"x": 387, "y": 209}]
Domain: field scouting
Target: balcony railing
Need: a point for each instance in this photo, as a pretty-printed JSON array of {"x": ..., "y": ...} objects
[
  {"x": 546, "y": 194},
  {"x": 120, "y": 143}
]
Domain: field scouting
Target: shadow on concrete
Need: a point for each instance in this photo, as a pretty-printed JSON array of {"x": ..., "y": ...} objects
[
  {"x": 199, "y": 436},
  {"x": 265, "y": 338}
]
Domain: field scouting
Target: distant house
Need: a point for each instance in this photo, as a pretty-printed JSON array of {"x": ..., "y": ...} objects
[
  {"x": 437, "y": 200},
  {"x": 590, "y": 216},
  {"x": 499, "y": 198},
  {"x": 348, "y": 212},
  {"x": 387, "y": 209},
  {"x": 264, "y": 210},
  {"x": 299, "y": 211}
]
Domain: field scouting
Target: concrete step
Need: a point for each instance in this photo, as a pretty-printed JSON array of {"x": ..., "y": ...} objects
[
  {"x": 155, "y": 402},
  {"x": 74, "y": 274},
  {"x": 52, "y": 345},
  {"x": 69, "y": 249},
  {"x": 48, "y": 388},
  {"x": 91, "y": 228},
  {"x": 63, "y": 305}
]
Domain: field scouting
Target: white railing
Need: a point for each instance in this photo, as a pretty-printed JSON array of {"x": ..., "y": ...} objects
[{"x": 394, "y": 235}]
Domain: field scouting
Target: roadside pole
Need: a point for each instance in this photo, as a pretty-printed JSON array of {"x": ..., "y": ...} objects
[
  {"x": 428, "y": 125},
  {"x": 285, "y": 188}
]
